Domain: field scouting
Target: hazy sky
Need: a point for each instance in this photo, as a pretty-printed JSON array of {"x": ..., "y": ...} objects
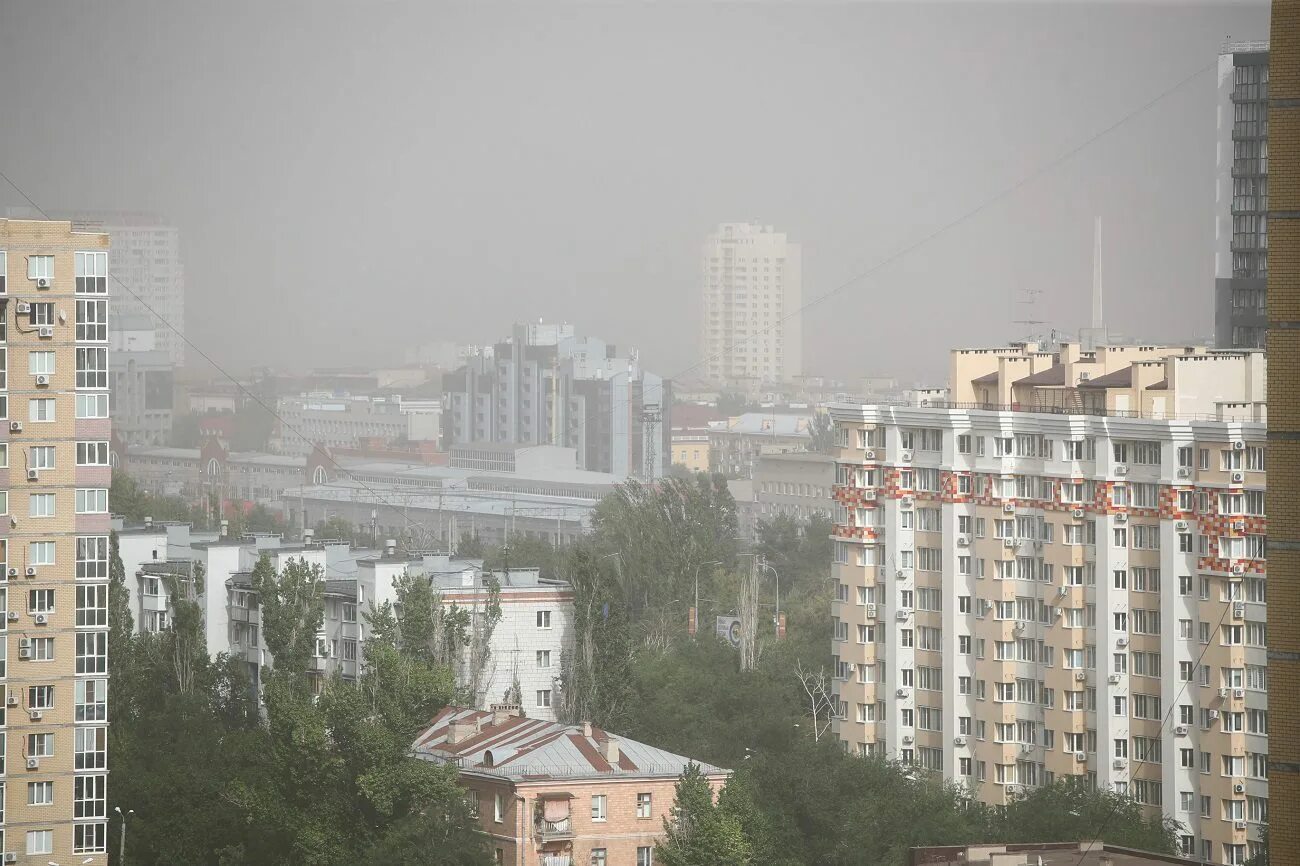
[{"x": 352, "y": 178}]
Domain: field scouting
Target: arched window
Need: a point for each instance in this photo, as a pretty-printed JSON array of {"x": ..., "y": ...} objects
[
  {"x": 319, "y": 476},
  {"x": 214, "y": 468}
]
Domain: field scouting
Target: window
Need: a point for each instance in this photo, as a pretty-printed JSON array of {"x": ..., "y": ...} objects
[
  {"x": 543, "y": 658},
  {"x": 645, "y": 855},
  {"x": 644, "y": 805},
  {"x": 40, "y": 409},
  {"x": 40, "y": 841},
  {"x": 88, "y": 796},
  {"x": 41, "y": 314},
  {"x": 543, "y": 619},
  {"x": 40, "y": 745},
  {"x": 40, "y": 601},
  {"x": 89, "y": 838},
  {"x": 92, "y": 557},
  {"x": 40, "y": 793},
  {"x": 42, "y": 457},
  {"x": 43, "y": 649},
  {"x": 90, "y": 453},
  {"x": 498, "y": 808},
  {"x": 89, "y": 748},
  {"x": 92, "y": 321},
  {"x": 598, "y": 857},
  {"x": 543, "y": 698},
  {"x": 40, "y": 697},
  {"x": 92, "y": 405},
  {"x": 92, "y": 273},
  {"x": 40, "y": 268},
  {"x": 91, "y": 700},
  {"x": 92, "y": 605},
  {"x": 40, "y": 505},
  {"x": 92, "y": 367},
  {"x": 92, "y": 652},
  {"x": 40, "y": 363},
  {"x": 92, "y": 500},
  {"x": 599, "y": 807}
]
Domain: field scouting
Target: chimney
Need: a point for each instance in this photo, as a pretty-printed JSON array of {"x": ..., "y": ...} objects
[
  {"x": 609, "y": 749},
  {"x": 586, "y": 729},
  {"x": 390, "y": 547},
  {"x": 501, "y": 713},
  {"x": 459, "y": 731}
]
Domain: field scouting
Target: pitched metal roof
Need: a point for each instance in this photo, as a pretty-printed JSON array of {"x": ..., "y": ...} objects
[
  {"x": 1054, "y": 375},
  {"x": 521, "y": 748},
  {"x": 1122, "y": 378}
]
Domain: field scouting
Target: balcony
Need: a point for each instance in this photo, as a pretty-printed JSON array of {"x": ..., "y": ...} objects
[
  {"x": 557, "y": 860},
  {"x": 549, "y": 831}
]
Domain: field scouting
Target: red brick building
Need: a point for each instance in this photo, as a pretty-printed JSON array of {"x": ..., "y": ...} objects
[{"x": 549, "y": 794}]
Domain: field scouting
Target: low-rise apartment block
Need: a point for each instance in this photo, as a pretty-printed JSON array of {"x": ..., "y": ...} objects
[
  {"x": 549, "y": 794},
  {"x": 1057, "y": 568}
]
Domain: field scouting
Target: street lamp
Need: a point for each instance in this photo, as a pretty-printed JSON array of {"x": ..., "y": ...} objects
[
  {"x": 762, "y": 563},
  {"x": 121, "y": 844},
  {"x": 697, "y": 590}
]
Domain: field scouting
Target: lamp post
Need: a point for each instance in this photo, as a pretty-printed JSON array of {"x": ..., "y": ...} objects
[
  {"x": 762, "y": 563},
  {"x": 697, "y": 591},
  {"x": 121, "y": 843}
]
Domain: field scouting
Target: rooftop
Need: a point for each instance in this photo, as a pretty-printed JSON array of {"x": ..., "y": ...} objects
[{"x": 523, "y": 749}]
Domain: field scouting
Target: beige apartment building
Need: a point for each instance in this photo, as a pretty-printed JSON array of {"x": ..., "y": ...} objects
[
  {"x": 1056, "y": 568},
  {"x": 53, "y": 659}
]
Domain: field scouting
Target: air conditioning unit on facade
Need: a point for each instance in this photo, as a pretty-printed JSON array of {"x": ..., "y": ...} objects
[
  {"x": 907, "y": 502},
  {"x": 1239, "y": 610},
  {"x": 1239, "y": 825},
  {"x": 15, "y": 426},
  {"x": 1239, "y": 788},
  {"x": 1008, "y": 508},
  {"x": 45, "y": 331},
  {"x": 1012, "y": 789},
  {"x": 1181, "y": 526},
  {"x": 12, "y": 700},
  {"x": 1121, "y": 517},
  {"x": 907, "y": 456},
  {"x": 1223, "y": 693},
  {"x": 1180, "y": 731},
  {"x": 1238, "y": 477},
  {"x": 1018, "y": 627},
  {"x": 1080, "y": 676},
  {"x": 870, "y": 455},
  {"x": 1211, "y": 715},
  {"x": 42, "y": 619},
  {"x": 1008, "y": 542},
  {"x": 871, "y": 611},
  {"x": 1184, "y": 472},
  {"x": 1121, "y": 469},
  {"x": 1081, "y": 756},
  {"x": 1076, "y": 513},
  {"x": 43, "y": 282},
  {"x": 1238, "y": 570},
  {"x": 900, "y": 693},
  {"x": 11, "y": 857},
  {"x": 1238, "y": 445},
  {"x": 33, "y": 474},
  {"x": 13, "y": 572},
  {"x": 908, "y": 739},
  {"x": 1113, "y": 679},
  {"x": 869, "y": 495},
  {"x": 959, "y": 741},
  {"x": 13, "y": 616},
  {"x": 902, "y": 614},
  {"x": 963, "y": 541},
  {"x": 1026, "y": 748},
  {"x": 42, "y": 380},
  {"x": 35, "y": 715},
  {"x": 1121, "y": 641},
  {"x": 1062, "y": 590},
  {"x": 31, "y": 571},
  {"x": 23, "y": 308},
  {"x": 1117, "y": 764},
  {"x": 33, "y": 763},
  {"x": 1239, "y": 526},
  {"x": 1239, "y": 694}
]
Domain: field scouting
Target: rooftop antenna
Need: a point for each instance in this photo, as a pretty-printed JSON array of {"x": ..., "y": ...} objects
[{"x": 1024, "y": 304}]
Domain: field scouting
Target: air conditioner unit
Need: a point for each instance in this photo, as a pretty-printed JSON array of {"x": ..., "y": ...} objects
[
  {"x": 1238, "y": 477},
  {"x": 1211, "y": 715},
  {"x": 1239, "y": 694},
  {"x": 33, "y": 763},
  {"x": 1121, "y": 641},
  {"x": 907, "y": 456},
  {"x": 870, "y": 455},
  {"x": 42, "y": 619},
  {"x": 900, "y": 574},
  {"x": 1076, "y": 513},
  {"x": 1121, "y": 517},
  {"x": 1184, "y": 472},
  {"x": 1018, "y": 627},
  {"x": 988, "y": 605},
  {"x": 1239, "y": 570},
  {"x": 1180, "y": 731},
  {"x": 871, "y": 611},
  {"x": 1008, "y": 508},
  {"x": 35, "y": 715},
  {"x": 42, "y": 282},
  {"x": 1113, "y": 679},
  {"x": 963, "y": 541},
  {"x": 42, "y": 379},
  {"x": 1239, "y": 825},
  {"x": 23, "y": 307},
  {"x": 1239, "y": 525},
  {"x": 12, "y": 700},
  {"x": 33, "y": 474},
  {"x": 1013, "y": 789},
  {"x": 1080, "y": 676},
  {"x": 908, "y": 739},
  {"x": 1062, "y": 590},
  {"x": 906, "y": 502},
  {"x": 902, "y": 614},
  {"x": 45, "y": 331},
  {"x": 900, "y": 693},
  {"x": 1081, "y": 756},
  {"x": 868, "y": 494},
  {"x": 1239, "y": 611},
  {"x": 13, "y": 616},
  {"x": 1026, "y": 748},
  {"x": 1223, "y": 693},
  {"x": 1121, "y": 469},
  {"x": 1239, "y": 788},
  {"x": 1008, "y": 542},
  {"x": 11, "y": 857},
  {"x": 1181, "y": 526},
  {"x": 15, "y": 426},
  {"x": 1117, "y": 764},
  {"x": 13, "y": 572},
  {"x": 31, "y": 571},
  {"x": 24, "y": 652},
  {"x": 959, "y": 741},
  {"x": 1238, "y": 445}
]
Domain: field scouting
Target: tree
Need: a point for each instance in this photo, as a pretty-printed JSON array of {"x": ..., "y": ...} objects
[
  {"x": 597, "y": 672},
  {"x": 699, "y": 831},
  {"x": 293, "y": 608},
  {"x": 822, "y": 431}
]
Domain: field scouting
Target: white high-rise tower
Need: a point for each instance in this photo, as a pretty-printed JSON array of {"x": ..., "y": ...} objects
[{"x": 752, "y": 328}]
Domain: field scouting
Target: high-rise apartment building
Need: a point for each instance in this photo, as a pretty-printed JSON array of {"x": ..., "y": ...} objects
[
  {"x": 548, "y": 386},
  {"x": 1284, "y": 434},
  {"x": 1057, "y": 568},
  {"x": 146, "y": 257},
  {"x": 1241, "y": 197},
  {"x": 752, "y": 329},
  {"x": 54, "y": 296}
]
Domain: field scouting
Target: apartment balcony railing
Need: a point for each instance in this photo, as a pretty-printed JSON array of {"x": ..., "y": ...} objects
[
  {"x": 548, "y": 830},
  {"x": 557, "y": 860}
]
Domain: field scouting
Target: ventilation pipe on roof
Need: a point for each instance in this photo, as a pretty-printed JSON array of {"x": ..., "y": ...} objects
[
  {"x": 501, "y": 713},
  {"x": 609, "y": 749},
  {"x": 586, "y": 729}
]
